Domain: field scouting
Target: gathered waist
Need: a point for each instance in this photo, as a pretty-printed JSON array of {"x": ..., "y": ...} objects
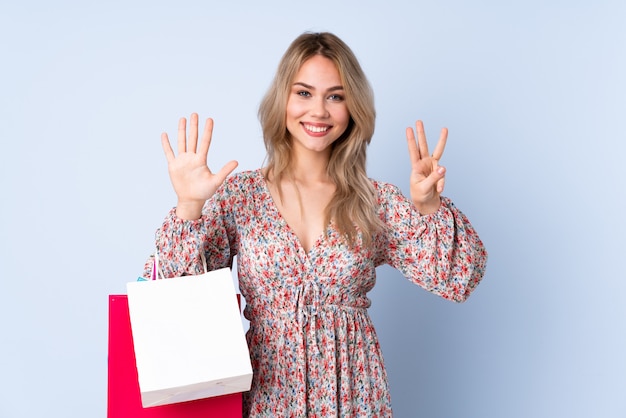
[
  {"x": 306, "y": 301},
  {"x": 292, "y": 313}
]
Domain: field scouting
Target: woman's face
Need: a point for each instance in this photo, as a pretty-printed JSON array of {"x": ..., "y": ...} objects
[{"x": 317, "y": 113}]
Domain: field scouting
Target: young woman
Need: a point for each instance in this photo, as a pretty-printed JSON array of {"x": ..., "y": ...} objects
[{"x": 309, "y": 230}]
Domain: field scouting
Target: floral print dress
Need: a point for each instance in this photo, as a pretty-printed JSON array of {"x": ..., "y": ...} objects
[{"x": 312, "y": 344}]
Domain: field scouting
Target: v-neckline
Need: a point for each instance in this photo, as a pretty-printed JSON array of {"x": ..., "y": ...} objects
[{"x": 283, "y": 220}]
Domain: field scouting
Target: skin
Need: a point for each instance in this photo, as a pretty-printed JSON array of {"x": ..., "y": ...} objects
[
  {"x": 316, "y": 116},
  {"x": 193, "y": 181},
  {"x": 427, "y": 176}
]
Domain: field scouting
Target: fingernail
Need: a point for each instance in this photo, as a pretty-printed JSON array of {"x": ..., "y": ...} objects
[{"x": 440, "y": 170}]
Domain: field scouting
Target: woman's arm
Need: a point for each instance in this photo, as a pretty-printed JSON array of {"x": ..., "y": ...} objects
[{"x": 440, "y": 252}]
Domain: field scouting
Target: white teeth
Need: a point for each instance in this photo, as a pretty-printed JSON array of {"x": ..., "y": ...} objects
[{"x": 316, "y": 129}]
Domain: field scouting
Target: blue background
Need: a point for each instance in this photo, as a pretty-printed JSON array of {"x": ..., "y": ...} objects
[{"x": 533, "y": 93}]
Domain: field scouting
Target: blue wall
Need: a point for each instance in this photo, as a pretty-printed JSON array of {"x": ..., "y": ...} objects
[{"x": 533, "y": 93}]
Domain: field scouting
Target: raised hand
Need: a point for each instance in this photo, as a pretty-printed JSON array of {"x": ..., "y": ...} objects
[
  {"x": 427, "y": 176},
  {"x": 191, "y": 177}
]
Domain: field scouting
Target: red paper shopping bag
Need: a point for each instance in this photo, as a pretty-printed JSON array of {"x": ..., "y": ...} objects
[{"x": 124, "y": 399}]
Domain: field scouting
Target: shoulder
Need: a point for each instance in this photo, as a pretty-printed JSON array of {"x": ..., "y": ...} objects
[
  {"x": 248, "y": 181},
  {"x": 238, "y": 187},
  {"x": 387, "y": 192}
]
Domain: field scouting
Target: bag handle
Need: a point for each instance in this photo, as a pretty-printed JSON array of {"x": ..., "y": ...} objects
[{"x": 157, "y": 273}]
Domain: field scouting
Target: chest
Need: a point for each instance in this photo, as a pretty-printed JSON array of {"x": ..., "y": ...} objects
[
  {"x": 303, "y": 209},
  {"x": 271, "y": 260}
]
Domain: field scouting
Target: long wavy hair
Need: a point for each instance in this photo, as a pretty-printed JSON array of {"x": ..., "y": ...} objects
[{"x": 353, "y": 205}]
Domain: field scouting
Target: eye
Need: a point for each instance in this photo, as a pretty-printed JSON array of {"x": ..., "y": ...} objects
[
  {"x": 303, "y": 93},
  {"x": 335, "y": 98}
]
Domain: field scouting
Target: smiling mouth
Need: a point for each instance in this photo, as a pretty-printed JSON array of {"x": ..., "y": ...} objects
[{"x": 316, "y": 129}]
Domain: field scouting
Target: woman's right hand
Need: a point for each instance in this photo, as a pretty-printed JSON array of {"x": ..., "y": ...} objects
[{"x": 193, "y": 181}]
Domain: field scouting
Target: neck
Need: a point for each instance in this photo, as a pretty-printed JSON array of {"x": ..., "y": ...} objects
[{"x": 313, "y": 168}]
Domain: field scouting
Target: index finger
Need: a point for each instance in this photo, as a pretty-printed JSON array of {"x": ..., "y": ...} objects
[{"x": 414, "y": 152}]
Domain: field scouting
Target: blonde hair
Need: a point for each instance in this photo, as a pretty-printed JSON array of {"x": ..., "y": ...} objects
[{"x": 353, "y": 206}]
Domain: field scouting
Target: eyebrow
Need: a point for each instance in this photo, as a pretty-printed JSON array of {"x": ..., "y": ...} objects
[{"x": 307, "y": 86}]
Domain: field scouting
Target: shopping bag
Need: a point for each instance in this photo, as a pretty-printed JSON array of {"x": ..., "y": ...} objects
[
  {"x": 124, "y": 399},
  {"x": 188, "y": 338}
]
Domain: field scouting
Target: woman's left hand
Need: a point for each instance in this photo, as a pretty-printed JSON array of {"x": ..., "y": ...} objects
[{"x": 427, "y": 176}]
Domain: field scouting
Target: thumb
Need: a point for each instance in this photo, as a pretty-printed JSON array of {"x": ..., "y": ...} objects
[
  {"x": 435, "y": 178},
  {"x": 226, "y": 170}
]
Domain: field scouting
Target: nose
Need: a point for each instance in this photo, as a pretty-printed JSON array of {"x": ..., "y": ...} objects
[{"x": 319, "y": 108}]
